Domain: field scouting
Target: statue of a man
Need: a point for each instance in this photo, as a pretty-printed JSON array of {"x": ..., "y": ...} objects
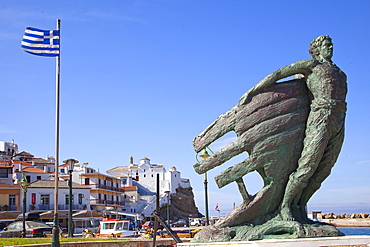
[
  {"x": 324, "y": 128},
  {"x": 293, "y": 132}
]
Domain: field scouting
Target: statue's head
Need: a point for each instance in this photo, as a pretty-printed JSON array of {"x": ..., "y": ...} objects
[{"x": 321, "y": 48}]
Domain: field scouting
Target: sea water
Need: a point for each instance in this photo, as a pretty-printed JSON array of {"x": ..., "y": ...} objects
[{"x": 355, "y": 230}]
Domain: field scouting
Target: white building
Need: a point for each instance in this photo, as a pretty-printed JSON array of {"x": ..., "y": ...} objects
[
  {"x": 144, "y": 176},
  {"x": 32, "y": 173},
  {"x": 40, "y": 196},
  {"x": 105, "y": 191},
  {"x": 7, "y": 150}
]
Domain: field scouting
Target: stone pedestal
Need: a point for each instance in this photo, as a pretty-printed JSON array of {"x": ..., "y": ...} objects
[{"x": 344, "y": 241}]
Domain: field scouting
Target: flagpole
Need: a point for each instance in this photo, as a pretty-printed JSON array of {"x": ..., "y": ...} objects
[{"x": 55, "y": 235}]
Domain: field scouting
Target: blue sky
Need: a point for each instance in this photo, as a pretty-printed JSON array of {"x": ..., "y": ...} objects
[{"x": 143, "y": 78}]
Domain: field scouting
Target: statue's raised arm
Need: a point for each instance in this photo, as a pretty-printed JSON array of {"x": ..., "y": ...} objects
[
  {"x": 224, "y": 122},
  {"x": 303, "y": 67},
  {"x": 293, "y": 132}
]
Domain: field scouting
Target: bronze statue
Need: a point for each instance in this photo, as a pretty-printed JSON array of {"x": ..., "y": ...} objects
[{"x": 293, "y": 132}]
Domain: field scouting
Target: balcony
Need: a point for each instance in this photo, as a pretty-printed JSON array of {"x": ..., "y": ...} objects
[
  {"x": 105, "y": 187},
  {"x": 47, "y": 207},
  {"x": 8, "y": 208},
  {"x": 106, "y": 202},
  {"x": 74, "y": 207}
]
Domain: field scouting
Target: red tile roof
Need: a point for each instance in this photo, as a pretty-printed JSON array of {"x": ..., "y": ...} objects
[
  {"x": 129, "y": 188},
  {"x": 24, "y": 153},
  {"x": 32, "y": 170},
  {"x": 6, "y": 166},
  {"x": 6, "y": 163},
  {"x": 21, "y": 162}
]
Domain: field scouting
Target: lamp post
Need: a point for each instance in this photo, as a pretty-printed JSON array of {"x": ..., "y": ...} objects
[
  {"x": 24, "y": 186},
  {"x": 70, "y": 163},
  {"x": 168, "y": 206},
  {"x": 204, "y": 156}
]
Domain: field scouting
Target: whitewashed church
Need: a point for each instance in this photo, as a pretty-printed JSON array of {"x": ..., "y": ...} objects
[{"x": 142, "y": 177}]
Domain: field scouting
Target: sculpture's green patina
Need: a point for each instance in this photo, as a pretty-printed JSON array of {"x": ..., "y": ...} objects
[{"x": 293, "y": 132}]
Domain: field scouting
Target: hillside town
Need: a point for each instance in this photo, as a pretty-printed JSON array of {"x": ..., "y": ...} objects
[{"x": 121, "y": 192}]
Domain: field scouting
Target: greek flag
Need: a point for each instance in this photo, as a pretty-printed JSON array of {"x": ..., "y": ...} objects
[{"x": 41, "y": 42}]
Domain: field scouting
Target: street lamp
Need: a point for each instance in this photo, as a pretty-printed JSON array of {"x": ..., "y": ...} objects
[
  {"x": 71, "y": 163},
  {"x": 204, "y": 156},
  {"x": 168, "y": 206},
  {"x": 24, "y": 186}
]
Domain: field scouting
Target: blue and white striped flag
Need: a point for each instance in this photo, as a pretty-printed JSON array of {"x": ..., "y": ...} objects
[{"x": 41, "y": 42}]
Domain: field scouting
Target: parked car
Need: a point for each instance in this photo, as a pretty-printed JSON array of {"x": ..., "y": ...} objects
[
  {"x": 150, "y": 224},
  {"x": 197, "y": 222},
  {"x": 170, "y": 222},
  {"x": 33, "y": 229},
  {"x": 30, "y": 216},
  {"x": 180, "y": 223},
  {"x": 2, "y": 226},
  {"x": 62, "y": 230}
]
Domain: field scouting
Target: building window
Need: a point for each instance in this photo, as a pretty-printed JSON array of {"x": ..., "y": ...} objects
[
  {"x": 80, "y": 196},
  {"x": 87, "y": 181},
  {"x": 11, "y": 200},
  {"x": 99, "y": 196},
  {"x": 67, "y": 199},
  {"x": 99, "y": 181},
  {"x": 63, "y": 170},
  {"x": 4, "y": 173},
  {"x": 38, "y": 177},
  {"x": 105, "y": 182},
  {"x": 124, "y": 181},
  {"x": 45, "y": 199},
  {"x": 144, "y": 175},
  {"x": 109, "y": 182}
]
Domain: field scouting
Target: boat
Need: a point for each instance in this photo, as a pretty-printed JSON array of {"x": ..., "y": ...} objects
[{"x": 116, "y": 228}]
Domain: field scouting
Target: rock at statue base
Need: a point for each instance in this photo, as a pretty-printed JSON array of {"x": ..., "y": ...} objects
[{"x": 270, "y": 230}]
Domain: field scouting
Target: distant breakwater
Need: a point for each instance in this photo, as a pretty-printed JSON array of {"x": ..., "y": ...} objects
[
  {"x": 343, "y": 220},
  {"x": 320, "y": 215},
  {"x": 348, "y": 222}
]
